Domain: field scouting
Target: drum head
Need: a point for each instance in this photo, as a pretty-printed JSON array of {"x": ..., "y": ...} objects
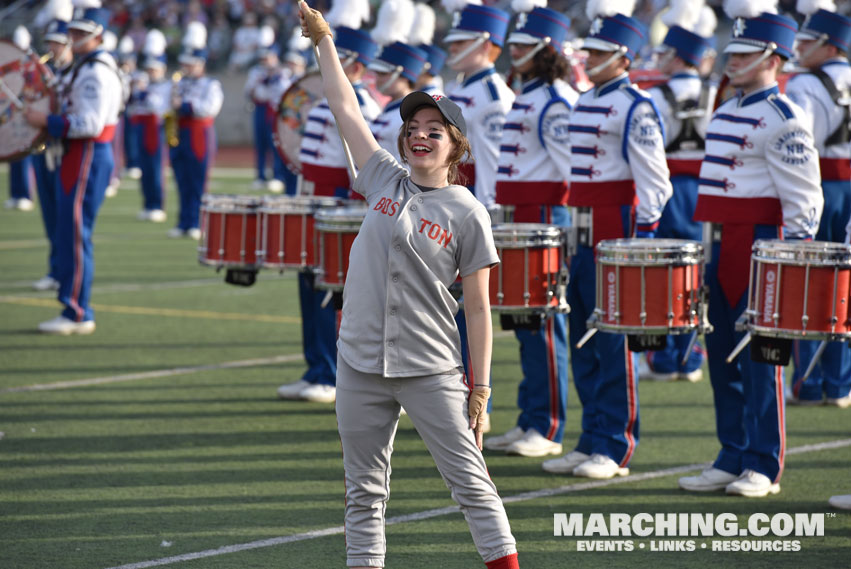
[
  {"x": 825, "y": 253},
  {"x": 297, "y": 204},
  {"x": 28, "y": 80},
  {"x": 292, "y": 110},
  {"x": 333, "y": 219},
  {"x": 523, "y": 235},
  {"x": 650, "y": 251},
  {"x": 227, "y": 202}
]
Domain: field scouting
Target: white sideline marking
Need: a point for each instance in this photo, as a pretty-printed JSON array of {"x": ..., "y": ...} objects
[
  {"x": 152, "y": 374},
  {"x": 437, "y": 512}
]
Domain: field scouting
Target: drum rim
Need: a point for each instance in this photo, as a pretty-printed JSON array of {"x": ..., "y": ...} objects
[{"x": 781, "y": 252}]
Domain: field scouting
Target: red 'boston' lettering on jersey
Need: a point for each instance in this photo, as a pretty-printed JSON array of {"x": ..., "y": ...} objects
[
  {"x": 387, "y": 206},
  {"x": 435, "y": 232}
]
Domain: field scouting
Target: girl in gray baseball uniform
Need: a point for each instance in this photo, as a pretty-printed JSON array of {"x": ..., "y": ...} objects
[{"x": 399, "y": 345}]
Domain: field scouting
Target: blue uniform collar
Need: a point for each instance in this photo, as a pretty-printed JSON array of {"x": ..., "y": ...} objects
[
  {"x": 685, "y": 75},
  {"x": 530, "y": 86},
  {"x": 758, "y": 96},
  {"x": 612, "y": 85},
  {"x": 836, "y": 61},
  {"x": 393, "y": 105},
  {"x": 478, "y": 76}
]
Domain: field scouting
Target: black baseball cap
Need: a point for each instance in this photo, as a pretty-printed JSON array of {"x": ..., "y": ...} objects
[{"x": 450, "y": 111}]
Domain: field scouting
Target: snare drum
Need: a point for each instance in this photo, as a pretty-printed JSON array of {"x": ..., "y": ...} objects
[
  {"x": 800, "y": 290},
  {"x": 649, "y": 286},
  {"x": 336, "y": 229},
  {"x": 531, "y": 276},
  {"x": 289, "y": 240},
  {"x": 230, "y": 231}
]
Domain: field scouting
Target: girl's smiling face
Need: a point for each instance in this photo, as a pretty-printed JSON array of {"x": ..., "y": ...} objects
[{"x": 427, "y": 141}]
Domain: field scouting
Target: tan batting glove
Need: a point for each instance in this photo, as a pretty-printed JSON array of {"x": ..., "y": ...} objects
[
  {"x": 313, "y": 25},
  {"x": 476, "y": 409}
]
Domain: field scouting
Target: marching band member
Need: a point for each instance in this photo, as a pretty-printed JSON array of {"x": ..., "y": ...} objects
[
  {"x": 760, "y": 174},
  {"x": 619, "y": 183},
  {"x": 685, "y": 106},
  {"x": 125, "y": 56},
  {"x": 197, "y": 100},
  {"x": 474, "y": 42},
  {"x": 324, "y": 173},
  {"x": 422, "y": 37},
  {"x": 90, "y": 105},
  {"x": 110, "y": 45},
  {"x": 823, "y": 94},
  {"x": 20, "y": 194},
  {"x": 266, "y": 80},
  {"x": 534, "y": 166},
  {"x": 397, "y": 67},
  {"x": 148, "y": 106},
  {"x": 45, "y": 164}
]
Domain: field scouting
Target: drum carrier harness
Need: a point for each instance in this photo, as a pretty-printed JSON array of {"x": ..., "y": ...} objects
[
  {"x": 687, "y": 112},
  {"x": 842, "y": 134}
]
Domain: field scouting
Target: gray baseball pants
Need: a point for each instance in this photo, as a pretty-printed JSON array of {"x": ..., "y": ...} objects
[{"x": 368, "y": 407}]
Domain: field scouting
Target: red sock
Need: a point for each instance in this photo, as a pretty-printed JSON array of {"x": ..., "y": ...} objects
[{"x": 507, "y": 562}]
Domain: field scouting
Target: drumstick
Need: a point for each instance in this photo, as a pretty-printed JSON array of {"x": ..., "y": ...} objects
[
  {"x": 741, "y": 346},
  {"x": 814, "y": 361},
  {"x": 11, "y": 94}
]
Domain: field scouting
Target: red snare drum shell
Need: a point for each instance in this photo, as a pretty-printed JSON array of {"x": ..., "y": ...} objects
[
  {"x": 230, "y": 231},
  {"x": 783, "y": 292},
  {"x": 667, "y": 299},
  {"x": 336, "y": 229},
  {"x": 289, "y": 237},
  {"x": 527, "y": 277}
]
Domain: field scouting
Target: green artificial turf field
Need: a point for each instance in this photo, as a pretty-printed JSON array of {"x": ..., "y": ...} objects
[{"x": 158, "y": 441}]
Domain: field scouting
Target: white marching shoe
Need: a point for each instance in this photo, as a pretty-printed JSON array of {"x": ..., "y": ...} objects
[
  {"x": 600, "y": 467},
  {"x": 275, "y": 186},
  {"x": 20, "y": 204},
  {"x": 691, "y": 376},
  {"x": 292, "y": 390},
  {"x": 752, "y": 484},
  {"x": 62, "y": 326},
  {"x": 565, "y": 464},
  {"x": 258, "y": 185},
  {"x": 502, "y": 442},
  {"x": 155, "y": 215},
  {"x": 319, "y": 393},
  {"x": 46, "y": 283},
  {"x": 533, "y": 444},
  {"x": 175, "y": 232},
  {"x": 134, "y": 173},
  {"x": 112, "y": 188},
  {"x": 841, "y": 402},
  {"x": 193, "y": 233},
  {"x": 842, "y": 502},
  {"x": 709, "y": 480}
]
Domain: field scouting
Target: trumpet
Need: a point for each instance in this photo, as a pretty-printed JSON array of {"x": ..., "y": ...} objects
[{"x": 172, "y": 133}]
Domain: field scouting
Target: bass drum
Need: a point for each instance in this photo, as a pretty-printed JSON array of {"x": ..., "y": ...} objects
[
  {"x": 27, "y": 81},
  {"x": 291, "y": 117}
]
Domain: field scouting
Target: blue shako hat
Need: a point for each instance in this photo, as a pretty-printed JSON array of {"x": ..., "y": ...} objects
[
  {"x": 435, "y": 56},
  {"x": 766, "y": 31},
  {"x": 91, "y": 20},
  {"x": 407, "y": 60},
  {"x": 474, "y": 21},
  {"x": 355, "y": 42},
  {"x": 193, "y": 55},
  {"x": 541, "y": 24},
  {"x": 617, "y": 33},
  {"x": 57, "y": 31},
  {"x": 834, "y": 28},
  {"x": 688, "y": 46}
]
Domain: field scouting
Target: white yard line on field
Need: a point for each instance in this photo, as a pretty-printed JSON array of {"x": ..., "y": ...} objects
[
  {"x": 152, "y": 374},
  {"x": 437, "y": 512}
]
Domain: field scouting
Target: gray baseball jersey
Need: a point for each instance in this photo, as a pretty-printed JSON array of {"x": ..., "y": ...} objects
[{"x": 397, "y": 309}]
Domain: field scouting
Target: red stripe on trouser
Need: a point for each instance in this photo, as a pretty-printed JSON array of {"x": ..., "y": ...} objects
[
  {"x": 79, "y": 254},
  {"x": 552, "y": 367},
  {"x": 631, "y": 403},
  {"x": 781, "y": 419}
]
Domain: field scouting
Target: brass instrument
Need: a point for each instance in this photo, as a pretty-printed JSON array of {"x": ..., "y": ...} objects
[{"x": 172, "y": 133}]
